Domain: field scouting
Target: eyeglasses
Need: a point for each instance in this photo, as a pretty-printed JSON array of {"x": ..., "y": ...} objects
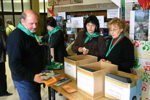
[
  {"x": 114, "y": 30},
  {"x": 90, "y": 25}
]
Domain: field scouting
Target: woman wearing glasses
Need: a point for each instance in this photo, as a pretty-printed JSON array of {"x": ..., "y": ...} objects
[
  {"x": 120, "y": 50},
  {"x": 89, "y": 41}
]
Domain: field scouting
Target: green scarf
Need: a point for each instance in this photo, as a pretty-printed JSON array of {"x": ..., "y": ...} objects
[
  {"x": 89, "y": 37},
  {"x": 57, "y": 28},
  {"x": 111, "y": 47},
  {"x": 21, "y": 27}
]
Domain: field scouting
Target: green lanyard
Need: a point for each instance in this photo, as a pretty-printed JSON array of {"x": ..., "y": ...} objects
[
  {"x": 21, "y": 27},
  {"x": 111, "y": 47},
  {"x": 89, "y": 37},
  {"x": 57, "y": 28}
]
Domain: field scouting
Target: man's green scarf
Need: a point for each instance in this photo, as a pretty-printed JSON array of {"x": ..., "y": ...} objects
[
  {"x": 90, "y": 36},
  {"x": 21, "y": 27},
  {"x": 57, "y": 28}
]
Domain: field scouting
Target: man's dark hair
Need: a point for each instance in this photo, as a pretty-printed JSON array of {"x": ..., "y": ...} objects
[
  {"x": 23, "y": 16},
  {"x": 92, "y": 19},
  {"x": 51, "y": 22}
]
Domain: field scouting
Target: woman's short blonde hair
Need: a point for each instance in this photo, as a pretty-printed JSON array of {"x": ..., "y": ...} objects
[{"x": 119, "y": 22}]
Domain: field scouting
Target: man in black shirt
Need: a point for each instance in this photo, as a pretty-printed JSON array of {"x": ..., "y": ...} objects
[{"x": 25, "y": 57}]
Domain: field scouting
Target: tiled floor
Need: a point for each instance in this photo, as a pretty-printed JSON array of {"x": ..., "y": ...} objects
[{"x": 11, "y": 88}]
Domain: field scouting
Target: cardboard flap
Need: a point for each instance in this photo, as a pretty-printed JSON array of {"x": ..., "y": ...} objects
[
  {"x": 115, "y": 88},
  {"x": 95, "y": 66},
  {"x": 69, "y": 61},
  {"x": 129, "y": 75},
  {"x": 84, "y": 71},
  {"x": 109, "y": 68},
  {"x": 81, "y": 57}
]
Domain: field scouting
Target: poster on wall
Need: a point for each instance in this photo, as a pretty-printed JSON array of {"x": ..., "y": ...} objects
[
  {"x": 129, "y": 1},
  {"x": 63, "y": 14},
  {"x": 141, "y": 25},
  {"x": 142, "y": 68},
  {"x": 59, "y": 20},
  {"x": 139, "y": 35},
  {"x": 141, "y": 49},
  {"x": 111, "y": 13},
  {"x": 101, "y": 21},
  {"x": 77, "y": 22}
]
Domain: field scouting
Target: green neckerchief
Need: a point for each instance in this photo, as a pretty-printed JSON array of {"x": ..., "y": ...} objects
[
  {"x": 89, "y": 37},
  {"x": 57, "y": 28},
  {"x": 21, "y": 27},
  {"x": 111, "y": 47}
]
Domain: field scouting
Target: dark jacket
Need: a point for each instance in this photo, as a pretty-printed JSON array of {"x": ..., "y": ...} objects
[
  {"x": 25, "y": 56},
  {"x": 2, "y": 46},
  {"x": 122, "y": 55},
  {"x": 96, "y": 46},
  {"x": 57, "y": 42}
]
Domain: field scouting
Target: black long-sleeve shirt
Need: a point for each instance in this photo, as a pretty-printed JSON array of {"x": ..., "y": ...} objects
[
  {"x": 122, "y": 55},
  {"x": 2, "y": 46},
  {"x": 25, "y": 56},
  {"x": 57, "y": 42}
]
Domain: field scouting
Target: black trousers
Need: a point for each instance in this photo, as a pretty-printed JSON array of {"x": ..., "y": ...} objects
[{"x": 3, "y": 84}]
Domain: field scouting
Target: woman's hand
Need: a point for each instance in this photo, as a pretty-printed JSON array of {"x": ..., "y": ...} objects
[
  {"x": 85, "y": 51},
  {"x": 80, "y": 49},
  {"x": 104, "y": 60},
  {"x": 107, "y": 61}
]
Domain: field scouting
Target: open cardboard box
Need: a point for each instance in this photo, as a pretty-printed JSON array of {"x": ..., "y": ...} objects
[
  {"x": 118, "y": 90},
  {"x": 71, "y": 63},
  {"x": 92, "y": 83}
]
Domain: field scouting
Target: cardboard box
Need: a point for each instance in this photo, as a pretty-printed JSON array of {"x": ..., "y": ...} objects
[
  {"x": 71, "y": 63},
  {"x": 118, "y": 90},
  {"x": 92, "y": 83}
]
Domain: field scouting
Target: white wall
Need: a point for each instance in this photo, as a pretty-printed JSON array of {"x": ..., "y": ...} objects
[{"x": 96, "y": 1}]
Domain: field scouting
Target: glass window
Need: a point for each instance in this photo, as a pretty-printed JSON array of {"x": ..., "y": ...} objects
[
  {"x": 41, "y": 6},
  {"x": 26, "y": 4},
  {"x": 46, "y": 5},
  {"x": 17, "y": 19},
  {"x": 0, "y": 6},
  {"x": 17, "y": 6},
  {"x": 7, "y": 5},
  {"x": 41, "y": 23},
  {"x": 8, "y": 17}
]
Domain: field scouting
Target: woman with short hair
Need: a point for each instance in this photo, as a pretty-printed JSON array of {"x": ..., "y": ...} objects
[
  {"x": 89, "y": 41},
  {"x": 120, "y": 50}
]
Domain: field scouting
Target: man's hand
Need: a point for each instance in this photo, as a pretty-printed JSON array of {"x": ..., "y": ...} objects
[{"x": 37, "y": 78}]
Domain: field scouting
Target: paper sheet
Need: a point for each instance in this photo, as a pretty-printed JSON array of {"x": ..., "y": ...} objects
[{"x": 70, "y": 69}]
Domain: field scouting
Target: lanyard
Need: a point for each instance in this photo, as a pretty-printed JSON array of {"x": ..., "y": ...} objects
[{"x": 111, "y": 47}]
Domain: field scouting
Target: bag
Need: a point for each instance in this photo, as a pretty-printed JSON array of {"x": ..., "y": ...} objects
[{"x": 54, "y": 65}]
